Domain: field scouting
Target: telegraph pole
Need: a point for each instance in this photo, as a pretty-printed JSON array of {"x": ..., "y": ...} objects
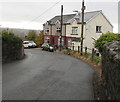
[
  {"x": 61, "y": 27},
  {"x": 82, "y": 26}
]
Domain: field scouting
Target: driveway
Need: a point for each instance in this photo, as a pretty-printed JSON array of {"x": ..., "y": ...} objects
[{"x": 45, "y": 75}]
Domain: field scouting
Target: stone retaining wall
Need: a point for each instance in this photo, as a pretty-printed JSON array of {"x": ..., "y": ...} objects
[{"x": 111, "y": 70}]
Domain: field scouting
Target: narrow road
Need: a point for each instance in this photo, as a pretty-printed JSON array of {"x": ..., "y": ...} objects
[{"x": 45, "y": 75}]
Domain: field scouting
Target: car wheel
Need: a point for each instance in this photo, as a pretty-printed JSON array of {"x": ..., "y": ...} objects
[{"x": 49, "y": 50}]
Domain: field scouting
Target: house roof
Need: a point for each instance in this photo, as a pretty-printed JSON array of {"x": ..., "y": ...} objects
[{"x": 67, "y": 19}]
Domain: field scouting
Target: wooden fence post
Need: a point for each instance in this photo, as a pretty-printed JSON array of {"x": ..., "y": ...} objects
[
  {"x": 93, "y": 51},
  {"x": 78, "y": 49},
  {"x": 85, "y": 50},
  {"x": 73, "y": 47}
]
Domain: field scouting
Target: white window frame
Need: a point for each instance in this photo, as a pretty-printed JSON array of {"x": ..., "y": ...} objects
[
  {"x": 46, "y": 30},
  {"x": 74, "y": 30},
  {"x": 58, "y": 30},
  {"x": 98, "y": 29}
]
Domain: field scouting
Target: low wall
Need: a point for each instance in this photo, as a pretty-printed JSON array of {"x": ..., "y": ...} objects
[
  {"x": 111, "y": 70},
  {"x": 12, "y": 51}
]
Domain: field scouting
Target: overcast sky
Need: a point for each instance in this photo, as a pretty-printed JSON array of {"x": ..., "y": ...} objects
[{"x": 31, "y": 14}]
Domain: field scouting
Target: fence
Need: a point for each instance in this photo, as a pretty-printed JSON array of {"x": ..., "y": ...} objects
[{"x": 86, "y": 50}]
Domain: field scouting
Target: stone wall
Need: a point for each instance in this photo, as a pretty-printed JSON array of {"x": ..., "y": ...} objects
[
  {"x": 12, "y": 51},
  {"x": 111, "y": 70}
]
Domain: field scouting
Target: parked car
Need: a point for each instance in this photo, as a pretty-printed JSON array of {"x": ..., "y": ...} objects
[
  {"x": 33, "y": 43},
  {"x": 48, "y": 47},
  {"x": 29, "y": 44}
]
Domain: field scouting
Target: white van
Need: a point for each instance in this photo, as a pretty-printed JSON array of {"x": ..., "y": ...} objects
[{"x": 29, "y": 44}]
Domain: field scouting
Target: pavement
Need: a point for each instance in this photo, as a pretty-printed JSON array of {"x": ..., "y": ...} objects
[{"x": 45, "y": 75}]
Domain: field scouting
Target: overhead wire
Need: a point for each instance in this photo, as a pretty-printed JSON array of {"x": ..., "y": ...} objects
[{"x": 44, "y": 12}]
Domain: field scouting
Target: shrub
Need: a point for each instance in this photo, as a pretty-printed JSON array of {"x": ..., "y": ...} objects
[
  {"x": 12, "y": 47},
  {"x": 104, "y": 38},
  {"x": 10, "y": 38}
]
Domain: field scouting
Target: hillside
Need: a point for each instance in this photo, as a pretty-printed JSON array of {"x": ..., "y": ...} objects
[{"x": 20, "y": 32}]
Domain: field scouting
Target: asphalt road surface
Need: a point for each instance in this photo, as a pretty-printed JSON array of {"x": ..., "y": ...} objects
[{"x": 45, "y": 75}]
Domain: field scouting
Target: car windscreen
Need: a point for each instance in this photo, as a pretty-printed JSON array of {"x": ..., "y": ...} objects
[
  {"x": 31, "y": 42},
  {"x": 25, "y": 42}
]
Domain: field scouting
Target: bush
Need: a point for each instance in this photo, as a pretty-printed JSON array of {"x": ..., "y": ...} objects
[
  {"x": 104, "y": 38},
  {"x": 10, "y": 38},
  {"x": 12, "y": 47}
]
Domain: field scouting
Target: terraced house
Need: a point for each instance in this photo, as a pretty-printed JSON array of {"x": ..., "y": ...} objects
[{"x": 95, "y": 23}]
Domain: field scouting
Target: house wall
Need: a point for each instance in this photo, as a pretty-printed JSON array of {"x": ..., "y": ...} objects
[
  {"x": 47, "y": 26},
  {"x": 58, "y": 26},
  {"x": 54, "y": 35},
  {"x": 69, "y": 29},
  {"x": 53, "y": 29},
  {"x": 90, "y": 32},
  {"x": 69, "y": 33}
]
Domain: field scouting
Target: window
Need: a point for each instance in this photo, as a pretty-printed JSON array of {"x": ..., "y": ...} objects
[
  {"x": 58, "y": 30},
  {"x": 74, "y": 30},
  {"x": 98, "y": 29},
  {"x": 47, "y": 31}
]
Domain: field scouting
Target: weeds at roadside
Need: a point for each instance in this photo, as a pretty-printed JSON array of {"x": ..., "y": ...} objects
[{"x": 88, "y": 56}]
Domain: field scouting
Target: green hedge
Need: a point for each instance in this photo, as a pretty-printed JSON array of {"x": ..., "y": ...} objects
[
  {"x": 12, "y": 46},
  {"x": 9, "y": 37},
  {"x": 104, "y": 38}
]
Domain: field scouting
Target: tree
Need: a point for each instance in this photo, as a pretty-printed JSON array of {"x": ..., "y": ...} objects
[
  {"x": 31, "y": 35},
  {"x": 39, "y": 39},
  {"x": 104, "y": 38}
]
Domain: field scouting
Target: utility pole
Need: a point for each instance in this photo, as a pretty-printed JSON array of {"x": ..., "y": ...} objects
[
  {"x": 61, "y": 27},
  {"x": 82, "y": 26},
  {"x": 51, "y": 38}
]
